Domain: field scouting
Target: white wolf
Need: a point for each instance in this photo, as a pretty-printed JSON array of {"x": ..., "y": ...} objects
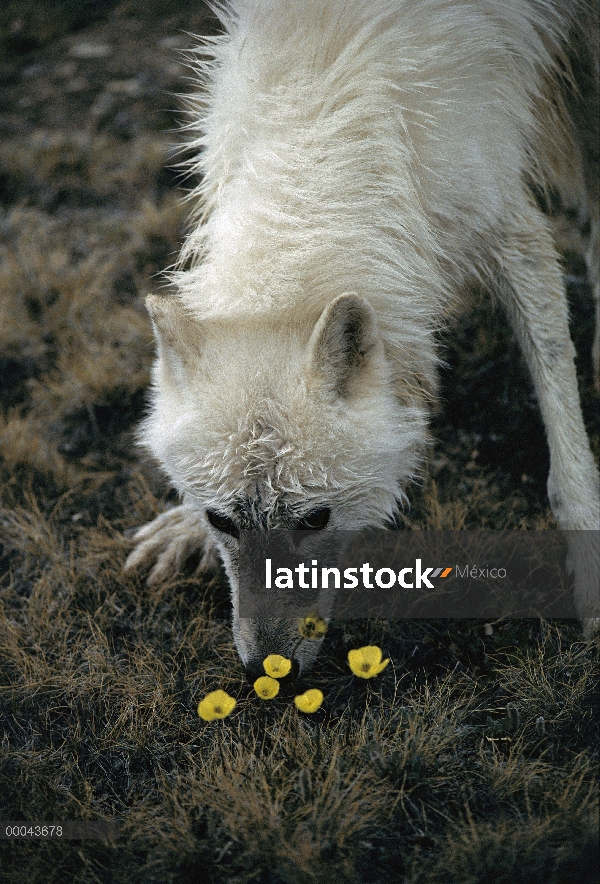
[{"x": 362, "y": 162}]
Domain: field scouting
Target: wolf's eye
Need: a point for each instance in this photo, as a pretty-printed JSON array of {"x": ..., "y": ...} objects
[
  {"x": 222, "y": 523},
  {"x": 314, "y": 521}
]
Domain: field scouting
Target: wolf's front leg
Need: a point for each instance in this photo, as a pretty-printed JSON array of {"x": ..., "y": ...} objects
[
  {"x": 165, "y": 544},
  {"x": 532, "y": 290}
]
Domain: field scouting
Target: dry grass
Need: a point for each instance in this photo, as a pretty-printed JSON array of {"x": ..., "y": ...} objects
[{"x": 472, "y": 758}]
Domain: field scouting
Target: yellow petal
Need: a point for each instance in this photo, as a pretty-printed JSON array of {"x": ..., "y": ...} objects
[
  {"x": 205, "y": 711},
  {"x": 217, "y": 704},
  {"x": 372, "y": 654},
  {"x": 266, "y": 687},
  {"x": 309, "y": 701},
  {"x": 277, "y": 666}
]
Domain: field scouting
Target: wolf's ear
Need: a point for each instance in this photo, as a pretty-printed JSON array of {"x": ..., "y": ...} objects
[
  {"x": 178, "y": 335},
  {"x": 342, "y": 342}
]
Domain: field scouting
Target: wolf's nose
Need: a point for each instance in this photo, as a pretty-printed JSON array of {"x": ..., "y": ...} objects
[{"x": 254, "y": 670}]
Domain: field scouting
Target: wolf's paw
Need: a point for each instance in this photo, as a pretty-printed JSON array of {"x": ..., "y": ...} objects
[{"x": 165, "y": 544}]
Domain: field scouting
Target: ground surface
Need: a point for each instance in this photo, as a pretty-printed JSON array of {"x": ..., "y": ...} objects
[{"x": 472, "y": 758}]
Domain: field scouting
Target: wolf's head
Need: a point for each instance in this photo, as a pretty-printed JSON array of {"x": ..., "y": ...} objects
[{"x": 267, "y": 423}]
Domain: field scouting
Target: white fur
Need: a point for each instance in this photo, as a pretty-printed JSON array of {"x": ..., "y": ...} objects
[{"x": 380, "y": 150}]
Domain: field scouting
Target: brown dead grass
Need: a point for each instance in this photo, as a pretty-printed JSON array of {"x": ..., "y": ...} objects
[{"x": 473, "y": 758}]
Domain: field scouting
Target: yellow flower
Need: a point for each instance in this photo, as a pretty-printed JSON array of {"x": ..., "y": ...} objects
[
  {"x": 366, "y": 662},
  {"x": 217, "y": 704},
  {"x": 277, "y": 666},
  {"x": 309, "y": 701},
  {"x": 312, "y": 626},
  {"x": 266, "y": 687}
]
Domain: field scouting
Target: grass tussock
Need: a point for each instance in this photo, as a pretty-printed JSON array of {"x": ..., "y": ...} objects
[{"x": 471, "y": 758}]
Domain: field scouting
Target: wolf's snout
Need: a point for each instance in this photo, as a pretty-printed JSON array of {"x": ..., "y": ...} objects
[{"x": 254, "y": 670}]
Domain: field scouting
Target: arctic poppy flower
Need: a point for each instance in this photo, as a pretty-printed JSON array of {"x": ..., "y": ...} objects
[
  {"x": 266, "y": 687},
  {"x": 366, "y": 662},
  {"x": 312, "y": 627},
  {"x": 277, "y": 666},
  {"x": 217, "y": 704},
  {"x": 309, "y": 701}
]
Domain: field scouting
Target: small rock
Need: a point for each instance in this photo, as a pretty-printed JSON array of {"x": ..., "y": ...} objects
[
  {"x": 79, "y": 84},
  {"x": 102, "y": 105},
  {"x": 90, "y": 50},
  {"x": 66, "y": 70},
  {"x": 175, "y": 42},
  {"x": 132, "y": 88},
  {"x": 32, "y": 70}
]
